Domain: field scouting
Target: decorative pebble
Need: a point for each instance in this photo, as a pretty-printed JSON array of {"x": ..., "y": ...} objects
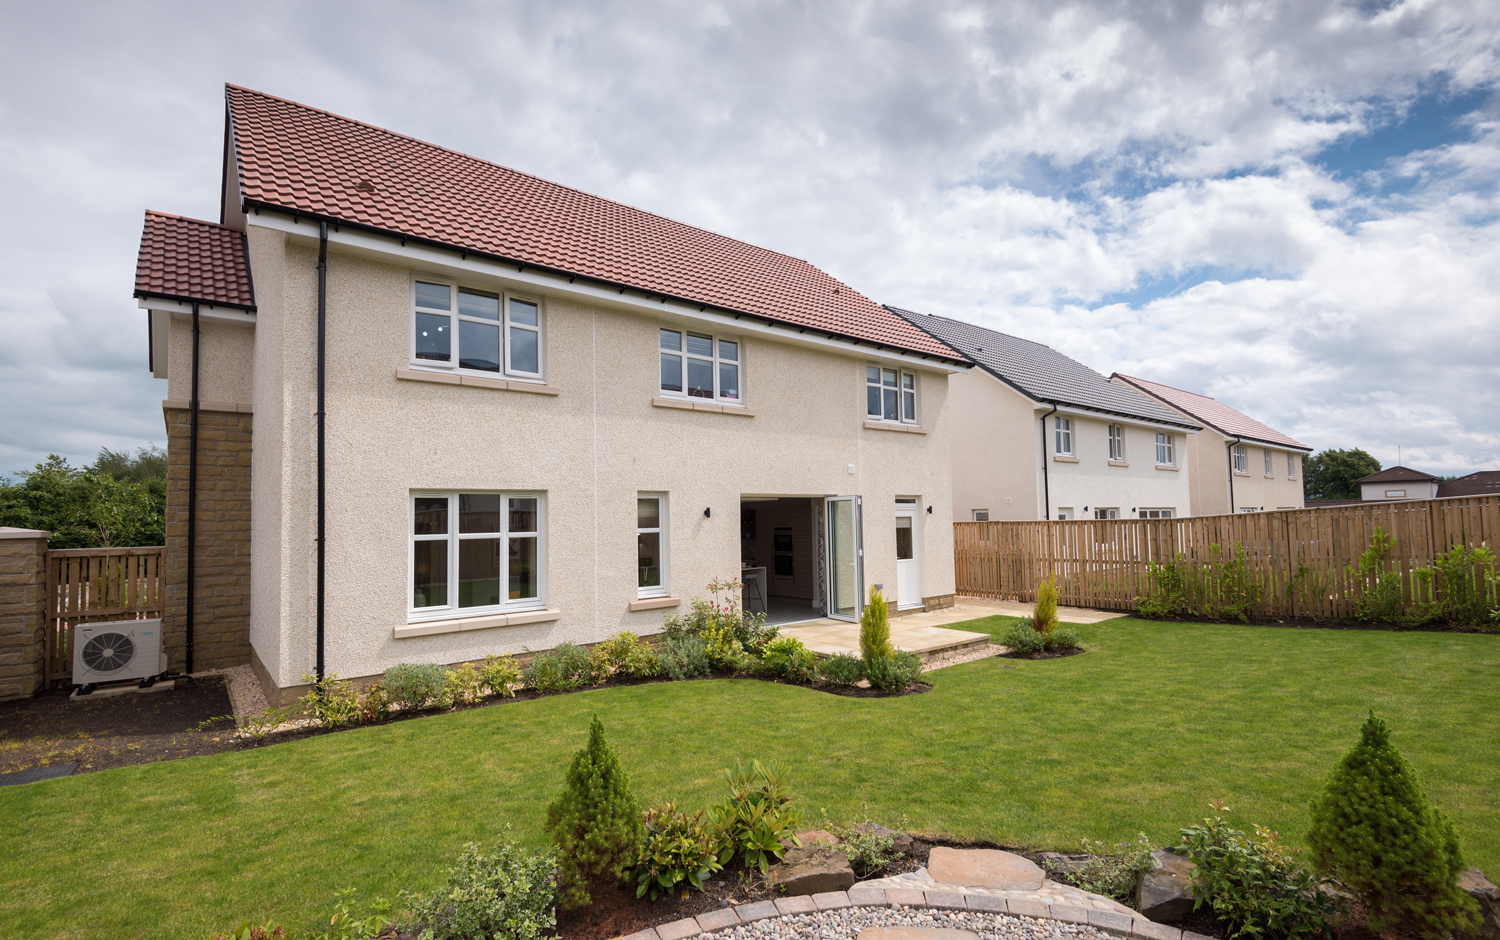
[{"x": 846, "y": 923}]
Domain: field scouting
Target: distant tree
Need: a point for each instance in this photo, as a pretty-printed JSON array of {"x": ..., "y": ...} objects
[
  {"x": 1331, "y": 474},
  {"x": 119, "y": 501}
]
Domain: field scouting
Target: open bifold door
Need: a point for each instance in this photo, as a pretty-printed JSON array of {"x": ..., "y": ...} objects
[{"x": 846, "y": 568}]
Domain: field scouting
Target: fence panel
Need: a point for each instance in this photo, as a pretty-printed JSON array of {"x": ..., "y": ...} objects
[
  {"x": 89, "y": 585},
  {"x": 1304, "y": 559}
]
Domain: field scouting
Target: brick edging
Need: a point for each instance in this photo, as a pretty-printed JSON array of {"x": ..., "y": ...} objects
[{"x": 1137, "y": 927}]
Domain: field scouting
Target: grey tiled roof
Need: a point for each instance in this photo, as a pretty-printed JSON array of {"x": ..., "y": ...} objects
[{"x": 1040, "y": 372}]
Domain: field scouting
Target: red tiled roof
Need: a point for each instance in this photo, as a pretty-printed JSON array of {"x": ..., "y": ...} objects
[
  {"x": 302, "y": 159},
  {"x": 187, "y": 259},
  {"x": 1215, "y": 414}
]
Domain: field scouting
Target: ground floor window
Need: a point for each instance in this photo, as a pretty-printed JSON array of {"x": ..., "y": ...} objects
[
  {"x": 981, "y": 515},
  {"x": 651, "y": 544},
  {"x": 1110, "y": 513},
  {"x": 1158, "y": 513},
  {"x": 474, "y": 552}
]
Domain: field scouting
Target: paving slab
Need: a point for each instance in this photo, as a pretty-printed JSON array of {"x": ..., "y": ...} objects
[
  {"x": 718, "y": 920},
  {"x": 906, "y": 897},
  {"x": 988, "y": 608},
  {"x": 36, "y": 774},
  {"x": 867, "y": 897},
  {"x": 946, "y": 900},
  {"x": 1025, "y": 908},
  {"x": 984, "y": 868},
  {"x": 831, "y": 900},
  {"x": 758, "y": 910},
  {"x": 988, "y": 903},
  {"x": 1150, "y": 930},
  {"x": 647, "y": 934},
  {"x": 1110, "y": 920},
  {"x": 801, "y": 904},
  {"x": 679, "y": 929},
  {"x": 1070, "y": 914}
]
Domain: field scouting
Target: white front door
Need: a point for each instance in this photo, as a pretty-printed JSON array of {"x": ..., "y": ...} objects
[{"x": 908, "y": 561}]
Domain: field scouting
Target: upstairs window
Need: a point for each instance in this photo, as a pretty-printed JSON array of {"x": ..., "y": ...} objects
[
  {"x": 1269, "y": 471},
  {"x": 1166, "y": 451},
  {"x": 1116, "y": 443},
  {"x": 462, "y": 327},
  {"x": 890, "y": 395},
  {"x": 1291, "y": 466},
  {"x": 1062, "y": 428},
  {"x": 1241, "y": 459},
  {"x": 700, "y": 365}
]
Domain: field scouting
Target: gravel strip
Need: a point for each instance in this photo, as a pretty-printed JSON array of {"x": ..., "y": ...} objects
[
  {"x": 244, "y": 689},
  {"x": 845, "y": 924},
  {"x": 967, "y": 656}
]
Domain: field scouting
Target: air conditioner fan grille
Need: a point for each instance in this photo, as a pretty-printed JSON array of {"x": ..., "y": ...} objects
[{"x": 108, "y": 652}]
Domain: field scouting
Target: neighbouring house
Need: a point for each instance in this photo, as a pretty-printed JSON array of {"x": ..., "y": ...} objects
[
  {"x": 1037, "y": 435},
  {"x": 1399, "y": 483},
  {"x": 425, "y": 408},
  {"x": 1240, "y": 465},
  {"x": 1482, "y": 483}
]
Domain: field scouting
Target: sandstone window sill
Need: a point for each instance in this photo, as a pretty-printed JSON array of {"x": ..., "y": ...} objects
[
  {"x": 1241, "y": 473},
  {"x": 1061, "y": 458},
  {"x": 1167, "y": 466},
  {"x": 893, "y": 426},
  {"x": 462, "y": 624},
  {"x": 685, "y": 404},
  {"x": 655, "y": 603},
  {"x": 1119, "y": 463},
  {"x": 476, "y": 381},
  {"x": 229, "y": 406}
]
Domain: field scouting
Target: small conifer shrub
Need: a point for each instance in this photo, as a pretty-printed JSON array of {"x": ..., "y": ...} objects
[
  {"x": 1374, "y": 830},
  {"x": 875, "y": 629},
  {"x": 596, "y": 823},
  {"x": 1044, "y": 614}
]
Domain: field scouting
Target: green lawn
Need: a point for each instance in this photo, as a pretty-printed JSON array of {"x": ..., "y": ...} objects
[{"x": 1138, "y": 734}]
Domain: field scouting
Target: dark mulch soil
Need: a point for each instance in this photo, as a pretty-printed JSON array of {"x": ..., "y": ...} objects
[
  {"x": 1045, "y": 654},
  {"x": 854, "y": 691},
  {"x": 135, "y": 728}
]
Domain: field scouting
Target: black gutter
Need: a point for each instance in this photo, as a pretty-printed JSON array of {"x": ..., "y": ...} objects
[
  {"x": 192, "y": 520},
  {"x": 338, "y": 224},
  {"x": 1229, "y": 449},
  {"x": 248, "y": 308},
  {"x": 1046, "y": 490},
  {"x": 322, "y": 362}
]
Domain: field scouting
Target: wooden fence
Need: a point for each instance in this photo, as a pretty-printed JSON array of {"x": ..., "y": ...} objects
[
  {"x": 1301, "y": 557},
  {"x": 91, "y": 585}
]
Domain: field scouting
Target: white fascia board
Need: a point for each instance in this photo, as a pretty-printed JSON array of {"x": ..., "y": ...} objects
[
  {"x": 1075, "y": 411},
  {"x": 449, "y": 264},
  {"x": 178, "y": 310}
]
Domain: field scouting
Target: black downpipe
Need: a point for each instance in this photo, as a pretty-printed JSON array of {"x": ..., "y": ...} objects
[
  {"x": 192, "y": 533},
  {"x": 1229, "y": 450},
  {"x": 1046, "y": 491},
  {"x": 322, "y": 359}
]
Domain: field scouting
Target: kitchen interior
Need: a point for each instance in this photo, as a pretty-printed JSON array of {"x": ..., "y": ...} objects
[{"x": 779, "y": 561}]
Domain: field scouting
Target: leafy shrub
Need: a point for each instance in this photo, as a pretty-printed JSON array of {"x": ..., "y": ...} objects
[
  {"x": 256, "y": 727},
  {"x": 461, "y": 686},
  {"x": 758, "y": 820},
  {"x": 508, "y": 893},
  {"x": 266, "y": 931},
  {"x": 375, "y": 707},
  {"x": 1113, "y": 870},
  {"x": 627, "y": 654},
  {"x": 841, "y": 669},
  {"x": 1254, "y": 884},
  {"x": 561, "y": 669},
  {"x": 500, "y": 675},
  {"x": 1226, "y": 588},
  {"x": 332, "y": 701},
  {"x": 875, "y": 629},
  {"x": 1382, "y": 594},
  {"x": 894, "y": 673},
  {"x": 788, "y": 659},
  {"x": 596, "y": 822},
  {"x": 868, "y": 845},
  {"x": 722, "y": 611},
  {"x": 685, "y": 656},
  {"x": 1460, "y": 586},
  {"x": 725, "y": 651},
  {"x": 415, "y": 685},
  {"x": 1375, "y": 831},
  {"x": 1044, "y": 614},
  {"x": 344, "y": 925},
  {"x": 679, "y": 852},
  {"x": 1021, "y": 638},
  {"x": 1065, "y": 638}
]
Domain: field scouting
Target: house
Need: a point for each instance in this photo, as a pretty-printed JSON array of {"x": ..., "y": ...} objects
[
  {"x": 1259, "y": 468},
  {"x": 1399, "y": 483},
  {"x": 1037, "y": 435},
  {"x": 1483, "y": 483},
  {"x": 425, "y": 408}
]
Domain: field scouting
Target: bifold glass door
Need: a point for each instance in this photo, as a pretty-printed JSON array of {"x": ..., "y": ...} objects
[{"x": 845, "y": 565}]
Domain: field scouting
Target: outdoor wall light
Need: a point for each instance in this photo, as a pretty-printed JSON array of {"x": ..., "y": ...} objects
[
  {"x": 929, "y": 510},
  {"x": 707, "y": 512}
]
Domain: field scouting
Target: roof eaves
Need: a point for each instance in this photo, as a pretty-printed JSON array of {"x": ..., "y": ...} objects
[
  {"x": 184, "y": 299},
  {"x": 256, "y": 205}
]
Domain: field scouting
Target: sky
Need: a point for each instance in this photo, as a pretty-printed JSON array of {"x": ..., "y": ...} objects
[{"x": 1291, "y": 207}]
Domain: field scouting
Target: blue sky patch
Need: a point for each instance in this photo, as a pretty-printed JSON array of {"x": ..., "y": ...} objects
[{"x": 1432, "y": 120}]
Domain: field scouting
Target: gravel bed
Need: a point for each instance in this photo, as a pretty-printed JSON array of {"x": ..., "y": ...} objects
[
  {"x": 967, "y": 656},
  {"x": 846, "y": 923}
]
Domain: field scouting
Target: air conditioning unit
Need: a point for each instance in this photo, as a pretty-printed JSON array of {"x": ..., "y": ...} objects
[{"x": 116, "y": 651}]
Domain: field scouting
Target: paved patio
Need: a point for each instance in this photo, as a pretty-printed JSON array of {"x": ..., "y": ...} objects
[{"x": 988, "y": 608}]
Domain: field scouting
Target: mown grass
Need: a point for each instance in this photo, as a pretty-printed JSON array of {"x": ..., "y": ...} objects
[{"x": 1136, "y": 735}]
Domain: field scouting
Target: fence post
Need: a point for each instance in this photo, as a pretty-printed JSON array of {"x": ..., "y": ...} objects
[{"x": 23, "y": 612}]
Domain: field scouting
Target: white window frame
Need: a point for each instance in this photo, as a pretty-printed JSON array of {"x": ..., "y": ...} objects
[
  {"x": 1062, "y": 436},
  {"x": 715, "y": 361},
  {"x": 1117, "y": 443},
  {"x": 1166, "y": 449},
  {"x": 1269, "y": 471},
  {"x": 1106, "y": 512},
  {"x": 1241, "y": 459},
  {"x": 905, "y": 388},
  {"x": 503, "y": 324},
  {"x": 663, "y": 552},
  {"x": 977, "y": 513},
  {"x": 1291, "y": 466},
  {"x": 1155, "y": 513},
  {"x": 451, "y": 609},
  {"x": 1395, "y": 494}
]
